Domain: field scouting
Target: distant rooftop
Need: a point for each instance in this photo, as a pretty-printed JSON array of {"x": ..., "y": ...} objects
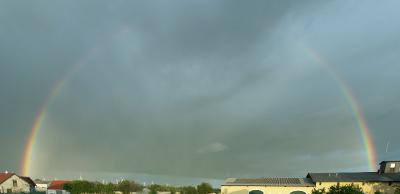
[
  {"x": 57, "y": 185},
  {"x": 386, "y": 161},
  {"x": 295, "y": 182},
  {"x": 4, "y": 176},
  {"x": 355, "y": 177}
]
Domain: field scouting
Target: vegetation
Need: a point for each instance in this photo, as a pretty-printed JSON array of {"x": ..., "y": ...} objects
[
  {"x": 78, "y": 187},
  {"x": 204, "y": 188},
  {"x": 188, "y": 190},
  {"x": 163, "y": 188},
  {"x": 318, "y": 191},
  {"x": 86, "y": 187},
  {"x": 397, "y": 190},
  {"x": 346, "y": 189}
]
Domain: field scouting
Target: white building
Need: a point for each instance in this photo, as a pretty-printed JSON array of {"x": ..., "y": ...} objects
[
  {"x": 41, "y": 185},
  {"x": 12, "y": 183}
]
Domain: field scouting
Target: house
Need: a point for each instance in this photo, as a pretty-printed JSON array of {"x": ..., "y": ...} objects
[
  {"x": 41, "y": 185},
  {"x": 12, "y": 183},
  {"x": 32, "y": 184},
  {"x": 57, "y": 187},
  {"x": 385, "y": 180}
]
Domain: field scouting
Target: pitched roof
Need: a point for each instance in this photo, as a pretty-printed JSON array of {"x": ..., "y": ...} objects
[
  {"x": 57, "y": 185},
  {"x": 353, "y": 177},
  {"x": 4, "y": 176},
  {"x": 296, "y": 182},
  {"x": 28, "y": 180}
]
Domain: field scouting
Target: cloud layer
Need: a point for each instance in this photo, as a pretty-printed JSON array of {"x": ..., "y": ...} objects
[{"x": 197, "y": 89}]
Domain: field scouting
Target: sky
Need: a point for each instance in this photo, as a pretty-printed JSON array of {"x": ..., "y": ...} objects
[{"x": 182, "y": 91}]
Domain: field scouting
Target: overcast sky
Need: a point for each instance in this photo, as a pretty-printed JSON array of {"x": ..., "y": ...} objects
[{"x": 209, "y": 89}]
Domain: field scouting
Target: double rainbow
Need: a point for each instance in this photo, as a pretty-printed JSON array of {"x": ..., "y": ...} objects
[{"x": 355, "y": 107}]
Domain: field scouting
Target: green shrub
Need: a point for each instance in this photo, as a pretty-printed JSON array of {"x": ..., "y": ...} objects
[{"x": 346, "y": 189}]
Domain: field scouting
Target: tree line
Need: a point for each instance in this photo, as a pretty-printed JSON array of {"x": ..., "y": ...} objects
[{"x": 126, "y": 187}]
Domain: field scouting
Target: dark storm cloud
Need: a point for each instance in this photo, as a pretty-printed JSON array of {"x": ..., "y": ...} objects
[{"x": 201, "y": 89}]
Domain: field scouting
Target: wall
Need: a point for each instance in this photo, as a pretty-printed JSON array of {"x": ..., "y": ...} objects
[
  {"x": 41, "y": 187},
  {"x": 52, "y": 191},
  {"x": 264, "y": 189},
  {"x": 22, "y": 186},
  {"x": 368, "y": 188}
]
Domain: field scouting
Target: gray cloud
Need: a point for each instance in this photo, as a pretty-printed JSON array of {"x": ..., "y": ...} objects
[{"x": 197, "y": 89}]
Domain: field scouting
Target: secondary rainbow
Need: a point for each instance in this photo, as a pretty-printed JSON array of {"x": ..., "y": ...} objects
[{"x": 356, "y": 109}]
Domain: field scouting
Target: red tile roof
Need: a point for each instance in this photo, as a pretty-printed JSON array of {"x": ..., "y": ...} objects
[
  {"x": 4, "y": 176},
  {"x": 57, "y": 185}
]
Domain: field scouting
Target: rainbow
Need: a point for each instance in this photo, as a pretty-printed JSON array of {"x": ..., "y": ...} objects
[
  {"x": 356, "y": 109},
  {"x": 27, "y": 156}
]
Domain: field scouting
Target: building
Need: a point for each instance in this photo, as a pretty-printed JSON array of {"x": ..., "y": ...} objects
[
  {"x": 57, "y": 187},
  {"x": 41, "y": 185},
  {"x": 12, "y": 183},
  {"x": 386, "y": 180},
  {"x": 32, "y": 184}
]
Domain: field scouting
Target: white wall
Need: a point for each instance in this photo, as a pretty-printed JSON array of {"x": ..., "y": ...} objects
[
  {"x": 22, "y": 186},
  {"x": 52, "y": 191},
  {"x": 41, "y": 187}
]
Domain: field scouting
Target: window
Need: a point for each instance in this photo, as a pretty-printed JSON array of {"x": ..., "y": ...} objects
[
  {"x": 392, "y": 165},
  {"x": 298, "y": 192},
  {"x": 15, "y": 184},
  {"x": 256, "y": 192}
]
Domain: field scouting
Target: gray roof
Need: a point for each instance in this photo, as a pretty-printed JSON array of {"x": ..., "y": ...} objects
[
  {"x": 386, "y": 161},
  {"x": 355, "y": 177},
  {"x": 295, "y": 182}
]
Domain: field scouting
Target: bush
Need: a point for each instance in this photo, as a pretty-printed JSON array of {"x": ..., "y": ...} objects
[
  {"x": 346, "y": 189},
  {"x": 318, "y": 191},
  {"x": 397, "y": 191}
]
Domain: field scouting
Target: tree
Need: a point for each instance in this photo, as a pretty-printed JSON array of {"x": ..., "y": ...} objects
[
  {"x": 204, "y": 188},
  {"x": 78, "y": 187},
  {"x": 124, "y": 186},
  {"x": 188, "y": 190},
  {"x": 109, "y": 188},
  {"x": 135, "y": 187}
]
